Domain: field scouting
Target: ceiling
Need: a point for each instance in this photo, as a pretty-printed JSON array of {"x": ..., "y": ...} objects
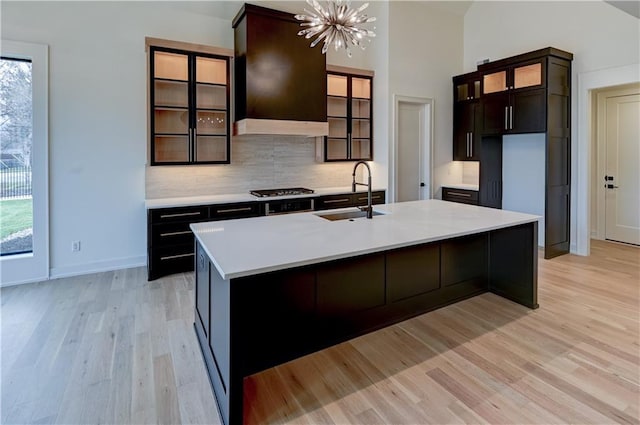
[
  {"x": 632, "y": 7},
  {"x": 228, "y": 9}
]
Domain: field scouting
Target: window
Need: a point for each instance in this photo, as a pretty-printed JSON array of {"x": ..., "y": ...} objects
[{"x": 24, "y": 198}]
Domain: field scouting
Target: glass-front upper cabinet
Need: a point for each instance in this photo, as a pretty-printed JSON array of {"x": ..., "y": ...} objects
[
  {"x": 189, "y": 108},
  {"x": 466, "y": 87},
  {"x": 349, "y": 113},
  {"x": 527, "y": 75}
]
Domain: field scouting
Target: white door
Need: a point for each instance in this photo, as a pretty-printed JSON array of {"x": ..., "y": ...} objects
[
  {"x": 24, "y": 196},
  {"x": 622, "y": 175},
  {"x": 413, "y": 149}
]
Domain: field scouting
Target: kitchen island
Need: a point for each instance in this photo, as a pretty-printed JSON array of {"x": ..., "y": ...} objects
[{"x": 272, "y": 289}]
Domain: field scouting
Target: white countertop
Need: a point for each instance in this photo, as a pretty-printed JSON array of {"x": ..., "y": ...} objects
[
  {"x": 251, "y": 246},
  {"x": 185, "y": 201},
  {"x": 462, "y": 186}
]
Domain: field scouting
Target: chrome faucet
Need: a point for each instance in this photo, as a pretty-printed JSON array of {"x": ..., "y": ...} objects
[{"x": 354, "y": 183}]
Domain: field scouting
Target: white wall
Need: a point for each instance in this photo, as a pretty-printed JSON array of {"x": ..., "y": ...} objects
[
  {"x": 98, "y": 116},
  {"x": 523, "y": 169},
  {"x": 425, "y": 51},
  {"x": 600, "y": 37}
]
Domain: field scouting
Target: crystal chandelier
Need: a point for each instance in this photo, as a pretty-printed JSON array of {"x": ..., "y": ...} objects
[{"x": 337, "y": 24}]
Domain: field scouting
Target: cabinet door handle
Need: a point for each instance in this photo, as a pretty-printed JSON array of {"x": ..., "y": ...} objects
[
  {"x": 191, "y": 145},
  {"x": 510, "y": 117},
  {"x": 466, "y": 142},
  {"x": 180, "y": 215},
  {"x": 463, "y": 195},
  {"x": 186, "y": 232},
  {"x": 334, "y": 201},
  {"x": 230, "y": 210},
  {"x": 173, "y": 257},
  {"x": 468, "y": 146},
  {"x": 506, "y": 118},
  {"x": 471, "y": 144}
]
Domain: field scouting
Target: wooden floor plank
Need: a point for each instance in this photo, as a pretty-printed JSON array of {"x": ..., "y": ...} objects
[{"x": 112, "y": 347}]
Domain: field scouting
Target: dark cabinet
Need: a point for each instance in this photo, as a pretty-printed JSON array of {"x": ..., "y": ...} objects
[
  {"x": 333, "y": 201},
  {"x": 466, "y": 117},
  {"x": 514, "y": 98},
  {"x": 349, "y": 113},
  {"x": 346, "y": 200},
  {"x": 402, "y": 280},
  {"x": 189, "y": 100},
  {"x": 202, "y": 288},
  {"x": 465, "y": 134},
  {"x": 513, "y": 113},
  {"x": 464, "y": 259},
  {"x": 170, "y": 241},
  {"x": 462, "y": 196},
  {"x": 277, "y": 75},
  {"x": 530, "y": 93}
]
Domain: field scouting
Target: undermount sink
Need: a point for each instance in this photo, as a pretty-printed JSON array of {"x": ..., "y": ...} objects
[{"x": 346, "y": 215}]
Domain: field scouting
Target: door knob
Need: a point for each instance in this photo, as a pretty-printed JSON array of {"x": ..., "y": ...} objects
[
  {"x": 608, "y": 178},
  {"x": 610, "y": 186},
  {"x": 421, "y": 184}
]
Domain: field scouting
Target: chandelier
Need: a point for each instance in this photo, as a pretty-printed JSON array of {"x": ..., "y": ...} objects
[{"x": 337, "y": 24}]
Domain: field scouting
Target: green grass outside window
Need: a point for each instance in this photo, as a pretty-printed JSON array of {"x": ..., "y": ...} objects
[{"x": 15, "y": 215}]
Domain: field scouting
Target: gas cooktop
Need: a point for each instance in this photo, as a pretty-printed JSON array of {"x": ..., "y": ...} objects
[{"x": 281, "y": 192}]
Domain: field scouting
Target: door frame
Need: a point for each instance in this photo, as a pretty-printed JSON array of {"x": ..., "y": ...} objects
[
  {"x": 426, "y": 145},
  {"x": 34, "y": 266},
  {"x": 600, "y": 149},
  {"x": 582, "y": 152}
]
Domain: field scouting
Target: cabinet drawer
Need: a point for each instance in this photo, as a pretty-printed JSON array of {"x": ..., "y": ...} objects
[
  {"x": 172, "y": 259},
  {"x": 334, "y": 201},
  {"x": 171, "y": 234},
  {"x": 188, "y": 214},
  {"x": 231, "y": 211},
  {"x": 360, "y": 199},
  {"x": 463, "y": 196}
]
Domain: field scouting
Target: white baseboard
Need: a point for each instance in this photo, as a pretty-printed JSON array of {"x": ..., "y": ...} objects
[{"x": 97, "y": 267}]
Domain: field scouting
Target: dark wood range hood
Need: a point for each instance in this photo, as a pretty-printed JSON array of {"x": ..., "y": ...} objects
[{"x": 280, "y": 82}]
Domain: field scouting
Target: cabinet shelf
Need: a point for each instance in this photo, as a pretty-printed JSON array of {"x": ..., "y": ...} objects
[
  {"x": 170, "y": 80},
  {"x": 349, "y": 113}
]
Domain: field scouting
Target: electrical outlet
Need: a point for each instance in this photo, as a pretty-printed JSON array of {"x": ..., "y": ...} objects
[{"x": 75, "y": 246}]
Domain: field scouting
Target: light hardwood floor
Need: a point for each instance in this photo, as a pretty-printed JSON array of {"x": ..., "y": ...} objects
[{"x": 114, "y": 348}]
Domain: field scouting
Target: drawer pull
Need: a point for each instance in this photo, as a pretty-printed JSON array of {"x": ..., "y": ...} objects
[
  {"x": 180, "y": 215},
  {"x": 173, "y": 257},
  {"x": 464, "y": 195},
  {"x": 186, "y": 232},
  {"x": 372, "y": 198},
  {"x": 230, "y": 210},
  {"x": 334, "y": 201}
]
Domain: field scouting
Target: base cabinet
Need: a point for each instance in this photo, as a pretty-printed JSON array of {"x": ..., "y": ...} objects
[
  {"x": 346, "y": 200},
  {"x": 260, "y": 321},
  {"x": 170, "y": 240},
  {"x": 464, "y": 259},
  {"x": 462, "y": 196},
  {"x": 202, "y": 289}
]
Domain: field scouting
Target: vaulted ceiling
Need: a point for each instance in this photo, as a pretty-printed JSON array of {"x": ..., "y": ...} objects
[{"x": 228, "y": 9}]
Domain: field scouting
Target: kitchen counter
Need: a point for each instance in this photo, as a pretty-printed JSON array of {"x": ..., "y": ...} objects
[
  {"x": 185, "y": 201},
  {"x": 272, "y": 289},
  {"x": 279, "y": 242}
]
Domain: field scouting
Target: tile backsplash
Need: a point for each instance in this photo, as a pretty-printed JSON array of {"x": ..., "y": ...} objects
[
  {"x": 257, "y": 162},
  {"x": 470, "y": 172}
]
